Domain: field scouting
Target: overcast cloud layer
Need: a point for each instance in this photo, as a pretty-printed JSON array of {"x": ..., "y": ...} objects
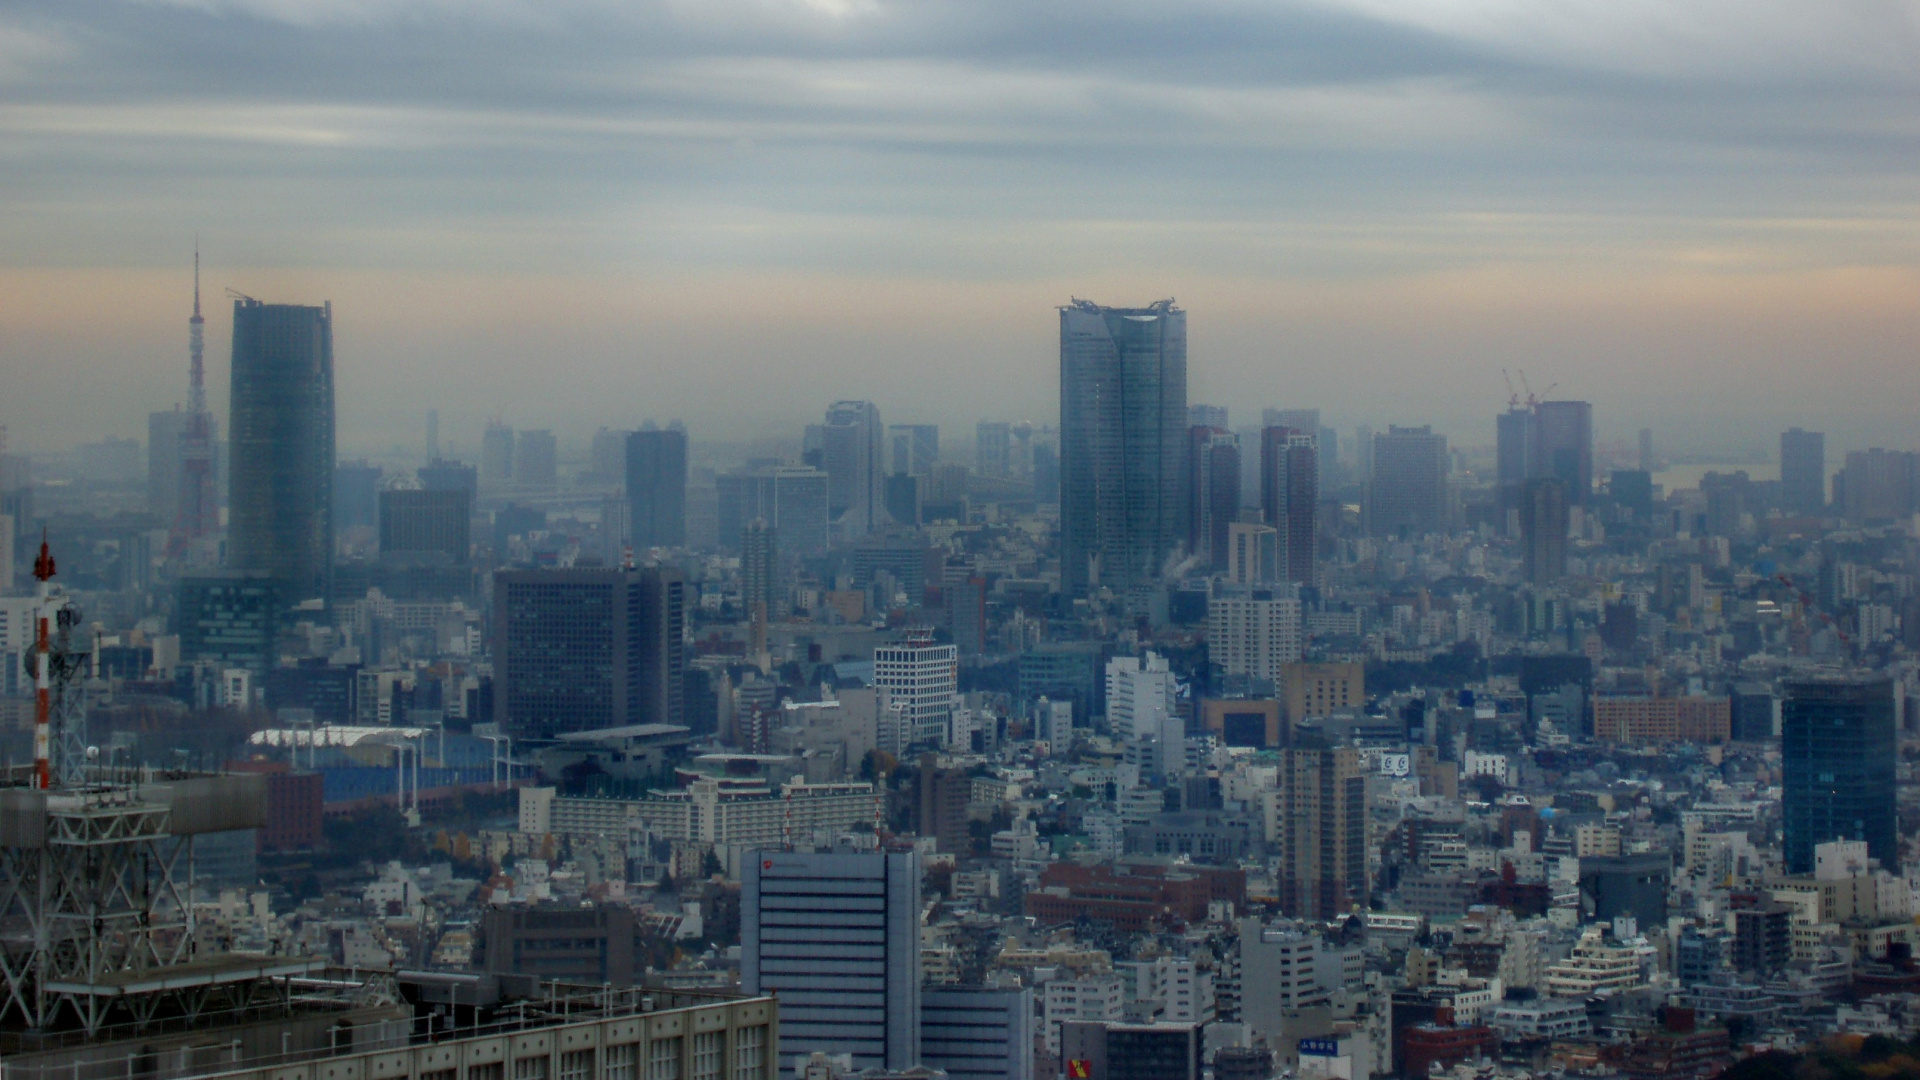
[{"x": 582, "y": 212}]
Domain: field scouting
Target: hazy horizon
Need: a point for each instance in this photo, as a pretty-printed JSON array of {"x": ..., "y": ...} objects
[{"x": 1699, "y": 217}]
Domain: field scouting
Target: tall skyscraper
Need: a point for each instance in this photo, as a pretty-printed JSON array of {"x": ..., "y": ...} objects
[
  {"x": 581, "y": 649},
  {"x": 1563, "y": 446},
  {"x": 356, "y": 496},
  {"x": 1290, "y": 495},
  {"x": 915, "y": 448},
  {"x": 1803, "y": 472},
  {"x": 496, "y": 455},
  {"x": 1214, "y": 456},
  {"x": 1319, "y": 822},
  {"x": 163, "y": 463},
  {"x": 1123, "y": 442},
  {"x": 1407, "y": 490},
  {"x": 1543, "y": 530},
  {"x": 281, "y": 423},
  {"x": 993, "y": 449},
  {"x": 1513, "y": 454},
  {"x": 1646, "y": 449},
  {"x": 760, "y": 570},
  {"x": 1838, "y": 750},
  {"x": 836, "y": 938},
  {"x": 657, "y": 487},
  {"x": 607, "y": 456},
  {"x": 851, "y": 453}
]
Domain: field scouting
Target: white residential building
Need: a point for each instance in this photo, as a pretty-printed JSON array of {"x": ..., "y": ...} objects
[
  {"x": 1089, "y": 997},
  {"x": 1253, "y": 633}
]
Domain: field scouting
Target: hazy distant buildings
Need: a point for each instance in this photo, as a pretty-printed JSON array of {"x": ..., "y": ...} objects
[
  {"x": 1513, "y": 454},
  {"x": 1877, "y": 485},
  {"x": 851, "y": 454},
  {"x": 1213, "y": 455},
  {"x": 1839, "y": 750},
  {"x": 443, "y": 475},
  {"x": 536, "y": 461},
  {"x": 427, "y": 521},
  {"x": 281, "y": 424},
  {"x": 1563, "y": 446},
  {"x": 1290, "y": 495},
  {"x": 1803, "y": 472},
  {"x": 356, "y": 496},
  {"x": 760, "y": 591},
  {"x": 496, "y": 455},
  {"x": 1123, "y": 442},
  {"x": 1407, "y": 490},
  {"x": 993, "y": 449},
  {"x": 1544, "y": 522},
  {"x": 915, "y": 448},
  {"x": 791, "y": 498},
  {"x": 580, "y": 649},
  {"x": 656, "y": 471}
]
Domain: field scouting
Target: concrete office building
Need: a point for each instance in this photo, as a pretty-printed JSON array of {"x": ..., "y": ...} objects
[
  {"x": 977, "y": 1034},
  {"x": 993, "y": 449},
  {"x": 580, "y": 649},
  {"x": 1109, "y": 1051},
  {"x": 230, "y": 618},
  {"x": 921, "y": 679},
  {"x": 656, "y": 472},
  {"x": 1838, "y": 750},
  {"x": 792, "y": 498},
  {"x": 1407, "y": 488},
  {"x": 419, "y": 520},
  {"x": 835, "y": 938},
  {"x": 281, "y": 418},
  {"x": 1123, "y": 443},
  {"x": 914, "y": 448},
  {"x": 1213, "y": 456},
  {"x": 536, "y": 461},
  {"x": 1803, "y": 472},
  {"x": 1290, "y": 495}
]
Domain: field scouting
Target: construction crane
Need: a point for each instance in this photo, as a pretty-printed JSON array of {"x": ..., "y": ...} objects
[
  {"x": 1513, "y": 396},
  {"x": 1533, "y": 399}
]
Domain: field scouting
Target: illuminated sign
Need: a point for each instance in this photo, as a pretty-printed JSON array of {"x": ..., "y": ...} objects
[{"x": 1319, "y": 1048}]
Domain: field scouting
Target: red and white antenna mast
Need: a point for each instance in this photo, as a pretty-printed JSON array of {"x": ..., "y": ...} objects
[
  {"x": 43, "y": 671},
  {"x": 198, "y": 512}
]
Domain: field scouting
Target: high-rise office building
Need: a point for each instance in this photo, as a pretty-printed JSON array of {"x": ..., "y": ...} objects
[
  {"x": 792, "y": 498},
  {"x": 1319, "y": 828},
  {"x": 1838, "y": 751},
  {"x": 230, "y": 618},
  {"x": 1563, "y": 446},
  {"x": 922, "y": 679},
  {"x": 582, "y": 649},
  {"x": 851, "y": 453},
  {"x": 443, "y": 475},
  {"x": 1207, "y": 416},
  {"x": 607, "y": 456},
  {"x": 993, "y": 449},
  {"x": 760, "y": 570},
  {"x": 1290, "y": 495},
  {"x": 1513, "y": 454},
  {"x": 356, "y": 496},
  {"x": 536, "y": 461},
  {"x": 420, "y": 520},
  {"x": 1254, "y": 554},
  {"x": 164, "y": 432},
  {"x": 1803, "y": 472},
  {"x": 1407, "y": 489},
  {"x": 656, "y": 471},
  {"x": 1646, "y": 449},
  {"x": 1213, "y": 454},
  {"x": 836, "y": 938},
  {"x": 1253, "y": 633},
  {"x": 977, "y": 1034},
  {"x": 903, "y": 499},
  {"x": 281, "y": 424},
  {"x": 1543, "y": 530},
  {"x": 496, "y": 455},
  {"x": 1123, "y": 442},
  {"x": 915, "y": 448},
  {"x": 1877, "y": 485}
]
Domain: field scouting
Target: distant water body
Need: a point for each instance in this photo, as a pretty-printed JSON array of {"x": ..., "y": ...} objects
[{"x": 1676, "y": 477}]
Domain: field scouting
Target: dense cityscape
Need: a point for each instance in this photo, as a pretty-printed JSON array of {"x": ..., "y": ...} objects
[{"x": 1146, "y": 739}]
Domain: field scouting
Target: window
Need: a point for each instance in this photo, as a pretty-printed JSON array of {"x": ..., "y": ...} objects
[
  {"x": 574, "y": 1065},
  {"x": 492, "y": 1071},
  {"x": 709, "y": 1055},
  {"x": 750, "y": 1054},
  {"x": 532, "y": 1068},
  {"x": 663, "y": 1059},
  {"x": 440, "y": 1074},
  {"x": 620, "y": 1061}
]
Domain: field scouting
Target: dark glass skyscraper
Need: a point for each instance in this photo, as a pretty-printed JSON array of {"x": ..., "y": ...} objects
[
  {"x": 1290, "y": 494},
  {"x": 1543, "y": 529},
  {"x": 1838, "y": 749},
  {"x": 1803, "y": 472},
  {"x": 1123, "y": 442},
  {"x": 1563, "y": 446},
  {"x": 281, "y": 424},
  {"x": 657, "y": 487}
]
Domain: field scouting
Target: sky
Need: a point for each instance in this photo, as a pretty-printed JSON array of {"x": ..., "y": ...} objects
[{"x": 1701, "y": 215}]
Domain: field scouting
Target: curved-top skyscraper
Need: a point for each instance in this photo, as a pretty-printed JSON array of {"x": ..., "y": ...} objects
[
  {"x": 281, "y": 418},
  {"x": 1123, "y": 442}
]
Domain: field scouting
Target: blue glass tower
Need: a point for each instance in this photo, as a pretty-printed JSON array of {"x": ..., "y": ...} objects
[{"x": 1838, "y": 747}]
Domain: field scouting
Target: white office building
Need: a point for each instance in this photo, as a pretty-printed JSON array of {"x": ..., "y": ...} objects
[
  {"x": 921, "y": 679},
  {"x": 1253, "y": 633}
]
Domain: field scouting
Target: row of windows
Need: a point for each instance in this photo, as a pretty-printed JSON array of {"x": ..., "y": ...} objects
[{"x": 704, "y": 1057}]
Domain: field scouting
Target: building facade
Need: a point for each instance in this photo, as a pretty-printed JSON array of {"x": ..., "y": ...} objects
[
  {"x": 281, "y": 421},
  {"x": 1407, "y": 488},
  {"x": 580, "y": 649},
  {"x": 1838, "y": 751},
  {"x": 656, "y": 471}
]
